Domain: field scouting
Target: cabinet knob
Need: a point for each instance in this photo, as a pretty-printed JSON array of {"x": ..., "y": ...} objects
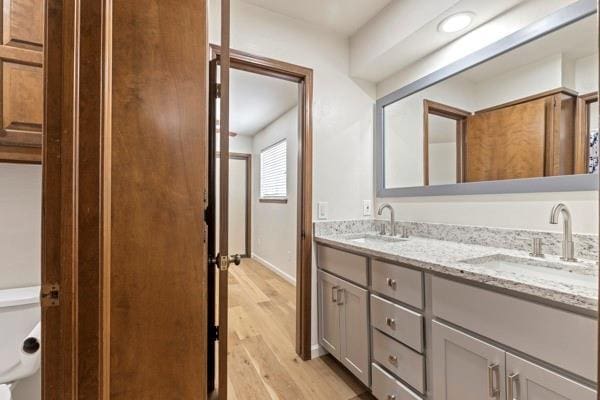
[
  {"x": 393, "y": 359},
  {"x": 391, "y": 397},
  {"x": 391, "y": 322},
  {"x": 391, "y": 283}
]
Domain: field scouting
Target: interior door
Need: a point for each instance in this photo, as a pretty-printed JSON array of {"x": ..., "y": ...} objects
[
  {"x": 527, "y": 381},
  {"x": 465, "y": 368}
]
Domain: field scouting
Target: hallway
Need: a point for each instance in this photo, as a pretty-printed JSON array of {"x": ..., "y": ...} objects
[{"x": 262, "y": 360}]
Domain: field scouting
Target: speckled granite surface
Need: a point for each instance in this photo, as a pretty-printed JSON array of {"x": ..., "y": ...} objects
[
  {"x": 572, "y": 284},
  {"x": 586, "y": 246}
]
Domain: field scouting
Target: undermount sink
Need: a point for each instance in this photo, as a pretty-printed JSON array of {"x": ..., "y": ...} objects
[
  {"x": 375, "y": 238},
  {"x": 569, "y": 273}
]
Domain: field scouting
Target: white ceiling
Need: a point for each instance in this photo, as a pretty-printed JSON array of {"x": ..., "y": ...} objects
[
  {"x": 574, "y": 41},
  {"x": 342, "y": 16},
  {"x": 256, "y": 101}
]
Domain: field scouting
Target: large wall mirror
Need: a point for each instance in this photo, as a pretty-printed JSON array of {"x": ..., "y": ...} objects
[{"x": 518, "y": 116}]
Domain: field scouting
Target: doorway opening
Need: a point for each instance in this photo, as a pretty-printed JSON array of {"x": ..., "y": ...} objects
[{"x": 270, "y": 129}]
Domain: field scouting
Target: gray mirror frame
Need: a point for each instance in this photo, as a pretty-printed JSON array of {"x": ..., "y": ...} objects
[{"x": 568, "y": 183}]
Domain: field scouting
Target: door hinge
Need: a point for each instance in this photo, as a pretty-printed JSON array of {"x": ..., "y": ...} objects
[
  {"x": 50, "y": 295},
  {"x": 214, "y": 333},
  {"x": 218, "y": 90}
]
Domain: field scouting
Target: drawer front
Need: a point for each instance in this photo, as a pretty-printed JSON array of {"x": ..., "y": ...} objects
[
  {"x": 558, "y": 337},
  {"x": 398, "y": 322},
  {"x": 385, "y": 387},
  {"x": 346, "y": 265},
  {"x": 403, "y": 362},
  {"x": 403, "y": 284}
]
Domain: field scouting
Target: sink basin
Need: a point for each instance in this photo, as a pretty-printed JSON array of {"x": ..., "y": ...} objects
[
  {"x": 569, "y": 273},
  {"x": 375, "y": 238}
]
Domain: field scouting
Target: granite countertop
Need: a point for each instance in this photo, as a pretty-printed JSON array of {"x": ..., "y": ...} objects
[{"x": 574, "y": 284}]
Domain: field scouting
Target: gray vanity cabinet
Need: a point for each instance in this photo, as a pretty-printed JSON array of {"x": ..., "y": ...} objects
[
  {"x": 343, "y": 323},
  {"x": 528, "y": 381},
  {"x": 329, "y": 313},
  {"x": 354, "y": 332},
  {"x": 465, "y": 368}
]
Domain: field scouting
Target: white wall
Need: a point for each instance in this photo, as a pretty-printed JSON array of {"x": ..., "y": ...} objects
[
  {"x": 20, "y": 225},
  {"x": 274, "y": 224},
  {"x": 20, "y": 241},
  {"x": 342, "y": 108}
]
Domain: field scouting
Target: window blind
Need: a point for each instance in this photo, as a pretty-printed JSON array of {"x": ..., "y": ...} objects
[{"x": 273, "y": 171}]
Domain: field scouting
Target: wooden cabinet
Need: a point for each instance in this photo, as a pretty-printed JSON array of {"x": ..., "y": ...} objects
[
  {"x": 343, "y": 323},
  {"x": 465, "y": 368},
  {"x": 22, "y": 80},
  {"x": 528, "y": 381},
  {"x": 527, "y": 138}
]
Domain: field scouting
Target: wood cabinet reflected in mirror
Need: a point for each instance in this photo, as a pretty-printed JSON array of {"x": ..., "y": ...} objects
[{"x": 547, "y": 134}]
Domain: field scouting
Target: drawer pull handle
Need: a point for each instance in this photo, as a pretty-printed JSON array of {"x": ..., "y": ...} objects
[
  {"x": 334, "y": 297},
  {"x": 493, "y": 378},
  {"x": 340, "y": 296},
  {"x": 393, "y": 359},
  {"x": 391, "y": 397},
  {"x": 391, "y": 282},
  {"x": 512, "y": 380},
  {"x": 391, "y": 322}
]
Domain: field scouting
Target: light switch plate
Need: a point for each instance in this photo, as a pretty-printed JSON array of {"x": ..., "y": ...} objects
[
  {"x": 367, "y": 207},
  {"x": 322, "y": 209}
]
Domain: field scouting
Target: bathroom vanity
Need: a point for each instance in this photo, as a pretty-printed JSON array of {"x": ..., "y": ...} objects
[{"x": 421, "y": 318}]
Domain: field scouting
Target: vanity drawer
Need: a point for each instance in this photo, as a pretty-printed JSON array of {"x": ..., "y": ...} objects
[
  {"x": 398, "y": 322},
  {"x": 347, "y": 265},
  {"x": 559, "y": 337},
  {"x": 403, "y": 362},
  {"x": 385, "y": 387},
  {"x": 400, "y": 283}
]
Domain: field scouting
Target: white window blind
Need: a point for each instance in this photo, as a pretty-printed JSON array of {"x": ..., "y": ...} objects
[{"x": 273, "y": 171}]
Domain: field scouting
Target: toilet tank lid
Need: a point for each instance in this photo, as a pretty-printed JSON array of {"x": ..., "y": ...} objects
[{"x": 19, "y": 296}]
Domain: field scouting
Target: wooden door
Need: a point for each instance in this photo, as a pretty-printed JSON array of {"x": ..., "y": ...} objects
[
  {"x": 354, "y": 329},
  {"x": 329, "y": 312},
  {"x": 465, "y": 368},
  {"x": 22, "y": 77},
  {"x": 506, "y": 143},
  {"x": 528, "y": 381}
]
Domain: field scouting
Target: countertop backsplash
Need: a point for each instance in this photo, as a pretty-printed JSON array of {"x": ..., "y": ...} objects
[{"x": 586, "y": 246}]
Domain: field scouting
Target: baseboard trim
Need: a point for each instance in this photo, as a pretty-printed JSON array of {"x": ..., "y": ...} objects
[
  {"x": 273, "y": 268},
  {"x": 317, "y": 351}
]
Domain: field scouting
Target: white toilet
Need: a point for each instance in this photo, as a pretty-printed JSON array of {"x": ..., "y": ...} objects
[{"x": 20, "y": 336}]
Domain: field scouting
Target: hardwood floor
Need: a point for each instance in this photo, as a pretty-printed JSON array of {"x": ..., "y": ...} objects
[{"x": 262, "y": 360}]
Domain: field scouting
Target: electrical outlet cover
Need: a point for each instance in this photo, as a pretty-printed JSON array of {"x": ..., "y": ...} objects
[
  {"x": 322, "y": 209},
  {"x": 367, "y": 207}
]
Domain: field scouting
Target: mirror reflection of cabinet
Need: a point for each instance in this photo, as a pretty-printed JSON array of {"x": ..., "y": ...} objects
[
  {"x": 21, "y": 57},
  {"x": 527, "y": 138}
]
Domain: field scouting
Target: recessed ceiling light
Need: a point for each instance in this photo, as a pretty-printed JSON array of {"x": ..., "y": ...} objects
[{"x": 456, "y": 22}]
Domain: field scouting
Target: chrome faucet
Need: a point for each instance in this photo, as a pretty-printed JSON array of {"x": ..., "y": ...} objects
[
  {"x": 568, "y": 250},
  {"x": 392, "y": 219}
]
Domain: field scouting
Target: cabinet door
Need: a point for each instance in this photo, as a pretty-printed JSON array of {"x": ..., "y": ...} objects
[
  {"x": 354, "y": 330},
  {"x": 21, "y": 80},
  {"x": 328, "y": 288},
  {"x": 465, "y": 368},
  {"x": 527, "y": 381}
]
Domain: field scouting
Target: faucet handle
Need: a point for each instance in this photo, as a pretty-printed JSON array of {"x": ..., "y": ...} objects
[
  {"x": 382, "y": 230},
  {"x": 404, "y": 232},
  {"x": 536, "y": 248}
]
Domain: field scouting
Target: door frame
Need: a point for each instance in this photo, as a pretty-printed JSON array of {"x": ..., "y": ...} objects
[
  {"x": 248, "y": 237},
  {"x": 303, "y": 76}
]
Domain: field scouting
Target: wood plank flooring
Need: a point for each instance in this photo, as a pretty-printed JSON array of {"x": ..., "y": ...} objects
[{"x": 262, "y": 361}]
